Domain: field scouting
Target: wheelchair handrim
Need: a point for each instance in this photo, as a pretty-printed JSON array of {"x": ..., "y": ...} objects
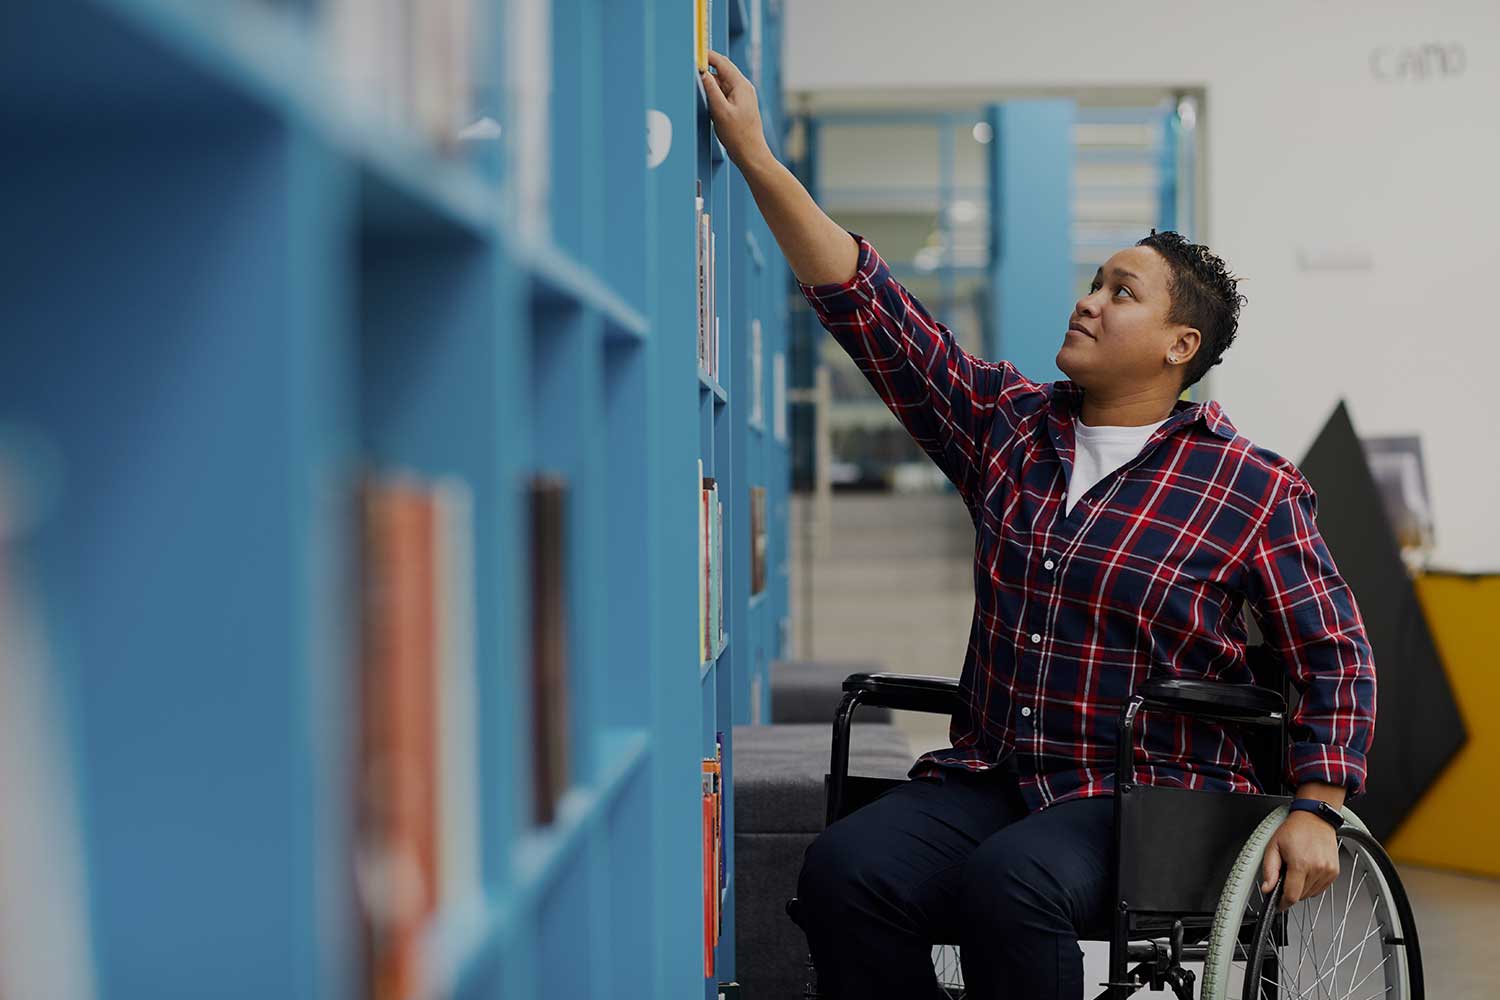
[{"x": 1243, "y": 880}]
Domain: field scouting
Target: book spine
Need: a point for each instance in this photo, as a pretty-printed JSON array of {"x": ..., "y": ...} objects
[
  {"x": 549, "y": 622},
  {"x": 718, "y": 571},
  {"x": 713, "y": 304},
  {"x": 458, "y": 743},
  {"x": 709, "y": 890},
  {"x": 701, "y": 262}
]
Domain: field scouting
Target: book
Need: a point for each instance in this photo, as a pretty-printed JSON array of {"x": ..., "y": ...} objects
[
  {"x": 710, "y": 567},
  {"x": 396, "y": 853},
  {"x": 719, "y": 792},
  {"x": 47, "y": 941},
  {"x": 778, "y": 395},
  {"x": 459, "y": 869},
  {"x": 757, "y": 412},
  {"x": 702, "y": 567},
  {"x": 700, "y": 34},
  {"x": 755, "y": 42},
  {"x": 700, "y": 254},
  {"x": 718, "y": 575},
  {"x": 710, "y": 891},
  {"x": 529, "y": 74},
  {"x": 757, "y": 539},
  {"x": 549, "y": 645},
  {"x": 406, "y": 63},
  {"x": 713, "y": 304}
]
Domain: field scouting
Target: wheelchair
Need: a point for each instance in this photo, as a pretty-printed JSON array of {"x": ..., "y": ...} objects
[{"x": 1197, "y": 900}]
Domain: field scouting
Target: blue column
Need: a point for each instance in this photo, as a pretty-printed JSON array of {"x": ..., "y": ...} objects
[{"x": 1031, "y": 240}]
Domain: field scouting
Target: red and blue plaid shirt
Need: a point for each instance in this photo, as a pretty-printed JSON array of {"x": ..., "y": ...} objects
[{"x": 1147, "y": 577}]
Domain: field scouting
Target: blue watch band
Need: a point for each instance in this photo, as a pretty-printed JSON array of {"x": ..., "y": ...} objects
[{"x": 1322, "y": 809}]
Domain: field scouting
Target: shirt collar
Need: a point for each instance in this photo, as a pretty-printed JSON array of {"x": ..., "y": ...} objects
[{"x": 1067, "y": 404}]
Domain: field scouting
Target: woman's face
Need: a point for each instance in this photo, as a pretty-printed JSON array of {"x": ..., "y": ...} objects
[{"x": 1126, "y": 338}]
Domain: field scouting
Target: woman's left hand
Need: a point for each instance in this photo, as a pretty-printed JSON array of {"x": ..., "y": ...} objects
[{"x": 1309, "y": 848}]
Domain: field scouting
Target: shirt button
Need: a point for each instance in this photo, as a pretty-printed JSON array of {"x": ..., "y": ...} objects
[
  {"x": 1026, "y": 710},
  {"x": 1048, "y": 564},
  {"x": 1036, "y": 637}
]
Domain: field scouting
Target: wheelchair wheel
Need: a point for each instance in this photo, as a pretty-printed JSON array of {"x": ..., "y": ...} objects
[
  {"x": 1356, "y": 939},
  {"x": 950, "y": 974}
]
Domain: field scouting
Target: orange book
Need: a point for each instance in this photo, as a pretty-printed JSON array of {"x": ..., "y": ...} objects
[
  {"x": 398, "y": 761},
  {"x": 710, "y": 878}
]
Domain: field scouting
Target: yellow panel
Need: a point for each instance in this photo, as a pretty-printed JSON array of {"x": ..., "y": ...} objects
[{"x": 1457, "y": 823}]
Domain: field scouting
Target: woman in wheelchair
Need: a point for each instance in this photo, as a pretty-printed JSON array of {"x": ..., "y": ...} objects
[{"x": 1120, "y": 533}]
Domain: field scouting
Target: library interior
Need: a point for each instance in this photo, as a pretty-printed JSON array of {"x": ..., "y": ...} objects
[{"x": 434, "y": 565}]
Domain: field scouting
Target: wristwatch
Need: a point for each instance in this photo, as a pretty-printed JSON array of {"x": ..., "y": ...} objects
[{"x": 1321, "y": 808}]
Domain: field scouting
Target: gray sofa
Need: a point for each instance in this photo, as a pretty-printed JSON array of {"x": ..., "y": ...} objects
[{"x": 778, "y": 809}]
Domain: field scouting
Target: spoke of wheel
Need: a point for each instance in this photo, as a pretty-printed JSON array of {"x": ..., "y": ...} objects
[
  {"x": 1351, "y": 951},
  {"x": 1343, "y": 922},
  {"x": 1282, "y": 986},
  {"x": 1336, "y": 944},
  {"x": 1316, "y": 915},
  {"x": 1379, "y": 965},
  {"x": 1281, "y": 965},
  {"x": 1360, "y": 957},
  {"x": 1301, "y": 952}
]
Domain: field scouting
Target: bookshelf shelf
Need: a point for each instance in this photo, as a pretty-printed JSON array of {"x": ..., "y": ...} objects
[
  {"x": 559, "y": 278},
  {"x": 542, "y": 854},
  {"x": 707, "y": 383},
  {"x": 318, "y": 305}
]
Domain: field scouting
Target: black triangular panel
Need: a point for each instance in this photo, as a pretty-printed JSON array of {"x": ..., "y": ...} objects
[{"x": 1418, "y": 728}]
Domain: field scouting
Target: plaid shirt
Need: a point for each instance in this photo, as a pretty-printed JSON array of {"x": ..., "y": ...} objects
[{"x": 1147, "y": 577}]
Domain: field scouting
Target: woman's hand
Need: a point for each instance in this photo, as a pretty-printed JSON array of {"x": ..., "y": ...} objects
[
  {"x": 733, "y": 105},
  {"x": 1310, "y": 849}
]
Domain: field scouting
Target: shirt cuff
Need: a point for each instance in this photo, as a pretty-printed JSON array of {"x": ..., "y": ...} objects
[
  {"x": 1335, "y": 765},
  {"x": 870, "y": 275}
]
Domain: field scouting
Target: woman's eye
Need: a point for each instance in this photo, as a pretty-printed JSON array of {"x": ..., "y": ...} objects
[{"x": 1122, "y": 288}]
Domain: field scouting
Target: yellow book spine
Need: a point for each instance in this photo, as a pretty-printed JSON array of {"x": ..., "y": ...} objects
[{"x": 700, "y": 33}]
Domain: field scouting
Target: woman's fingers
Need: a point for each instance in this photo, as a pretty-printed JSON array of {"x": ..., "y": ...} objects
[
  {"x": 717, "y": 102},
  {"x": 730, "y": 76}
]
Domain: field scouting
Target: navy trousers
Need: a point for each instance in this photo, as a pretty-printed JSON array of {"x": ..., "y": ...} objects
[{"x": 956, "y": 859}]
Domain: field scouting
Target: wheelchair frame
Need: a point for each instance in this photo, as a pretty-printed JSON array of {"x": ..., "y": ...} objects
[{"x": 1178, "y": 896}]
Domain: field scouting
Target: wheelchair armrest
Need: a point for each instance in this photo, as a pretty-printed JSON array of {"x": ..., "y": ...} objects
[
  {"x": 1247, "y": 703},
  {"x": 905, "y": 692}
]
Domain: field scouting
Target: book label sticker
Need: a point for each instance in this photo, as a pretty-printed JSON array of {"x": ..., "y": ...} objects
[{"x": 658, "y": 137}]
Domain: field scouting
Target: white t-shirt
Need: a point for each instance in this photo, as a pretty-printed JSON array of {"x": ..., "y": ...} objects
[{"x": 1098, "y": 451}]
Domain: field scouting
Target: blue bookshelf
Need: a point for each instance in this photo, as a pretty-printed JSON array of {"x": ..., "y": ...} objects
[{"x": 228, "y": 293}]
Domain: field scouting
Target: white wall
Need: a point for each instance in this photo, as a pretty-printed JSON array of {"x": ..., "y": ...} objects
[{"x": 1306, "y": 153}]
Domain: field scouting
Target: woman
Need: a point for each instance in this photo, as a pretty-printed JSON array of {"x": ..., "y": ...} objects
[{"x": 1120, "y": 531}]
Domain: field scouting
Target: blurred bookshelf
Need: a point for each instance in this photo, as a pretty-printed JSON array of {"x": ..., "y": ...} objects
[{"x": 360, "y": 339}]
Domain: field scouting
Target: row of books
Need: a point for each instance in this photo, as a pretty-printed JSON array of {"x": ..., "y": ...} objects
[
  {"x": 711, "y": 561},
  {"x": 708, "y": 299},
  {"x": 417, "y": 843},
  {"x": 409, "y": 63},
  {"x": 715, "y": 876}
]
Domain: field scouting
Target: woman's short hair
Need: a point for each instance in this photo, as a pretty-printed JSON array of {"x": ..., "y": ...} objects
[{"x": 1204, "y": 296}]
